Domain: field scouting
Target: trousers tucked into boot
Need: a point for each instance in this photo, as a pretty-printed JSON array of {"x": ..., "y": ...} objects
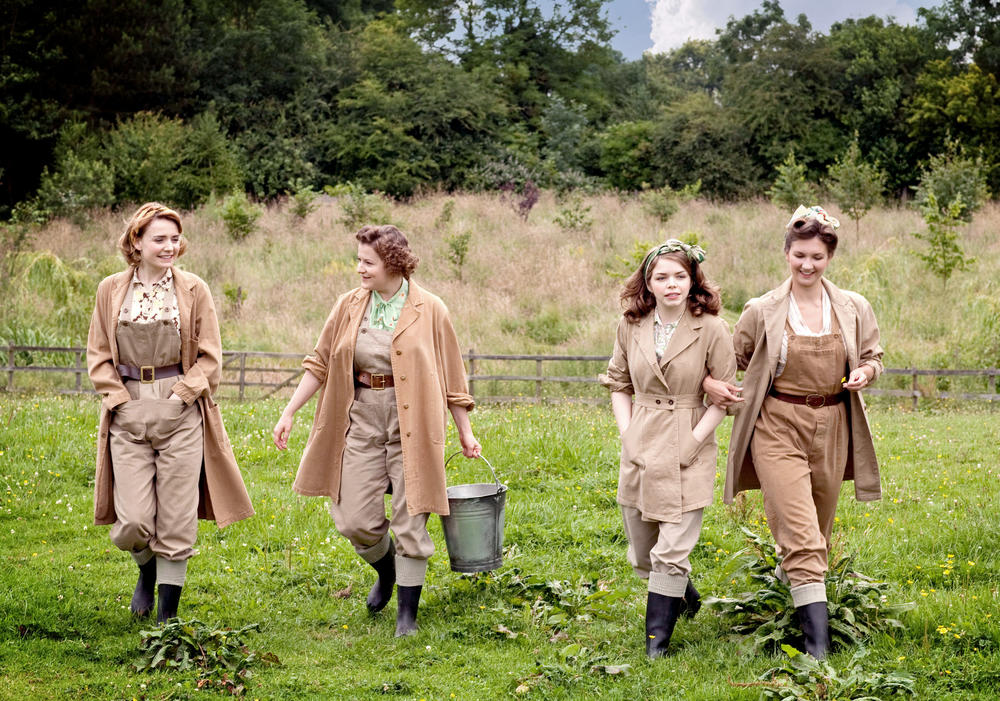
[
  {"x": 407, "y": 601},
  {"x": 381, "y": 591},
  {"x": 813, "y": 619},
  {"x": 145, "y": 590},
  {"x": 691, "y": 602},
  {"x": 661, "y": 616},
  {"x": 170, "y": 596}
]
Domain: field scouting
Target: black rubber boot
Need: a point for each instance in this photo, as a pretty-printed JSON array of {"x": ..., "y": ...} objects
[
  {"x": 815, "y": 625},
  {"x": 407, "y": 602},
  {"x": 145, "y": 590},
  {"x": 691, "y": 603},
  {"x": 661, "y": 616},
  {"x": 381, "y": 591},
  {"x": 170, "y": 596}
]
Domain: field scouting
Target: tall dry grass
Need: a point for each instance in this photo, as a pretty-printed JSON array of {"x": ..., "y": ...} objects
[{"x": 529, "y": 286}]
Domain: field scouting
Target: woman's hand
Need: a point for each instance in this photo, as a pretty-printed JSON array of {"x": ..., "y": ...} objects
[
  {"x": 282, "y": 430},
  {"x": 721, "y": 393},
  {"x": 470, "y": 446},
  {"x": 859, "y": 378}
]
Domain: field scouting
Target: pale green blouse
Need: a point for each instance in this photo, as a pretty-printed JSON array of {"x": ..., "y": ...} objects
[{"x": 384, "y": 314}]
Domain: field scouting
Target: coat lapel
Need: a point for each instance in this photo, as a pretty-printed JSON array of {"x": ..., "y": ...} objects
[
  {"x": 847, "y": 318},
  {"x": 648, "y": 346},
  {"x": 685, "y": 334},
  {"x": 123, "y": 283},
  {"x": 775, "y": 314},
  {"x": 411, "y": 309}
]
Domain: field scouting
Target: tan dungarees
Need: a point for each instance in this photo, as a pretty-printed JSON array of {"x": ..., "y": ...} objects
[
  {"x": 800, "y": 454},
  {"x": 156, "y": 454},
  {"x": 373, "y": 460}
]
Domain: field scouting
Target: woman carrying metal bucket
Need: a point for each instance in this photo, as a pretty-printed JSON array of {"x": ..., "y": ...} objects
[
  {"x": 669, "y": 339},
  {"x": 387, "y": 365}
]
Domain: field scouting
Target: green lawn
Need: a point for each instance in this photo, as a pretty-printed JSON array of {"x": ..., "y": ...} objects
[{"x": 65, "y": 629}]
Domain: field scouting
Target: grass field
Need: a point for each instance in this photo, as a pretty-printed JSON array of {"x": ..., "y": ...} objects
[{"x": 65, "y": 629}]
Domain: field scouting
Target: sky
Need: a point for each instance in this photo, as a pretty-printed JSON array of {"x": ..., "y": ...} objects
[{"x": 661, "y": 25}]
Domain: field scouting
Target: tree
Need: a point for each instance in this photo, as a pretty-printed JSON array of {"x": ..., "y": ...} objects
[
  {"x": 952, "y": 177},
  {"x": 944, "y": 255},
  {"x": 974, "y": 25},
  {"x": 790, "y": 188},
  {"x": 855, "y": 184}
]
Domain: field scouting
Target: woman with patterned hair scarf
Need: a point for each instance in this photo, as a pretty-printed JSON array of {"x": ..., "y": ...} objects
[
  {"x": 388, "y": 367},
  {"x": 808, "y": 348},
  {"x": 669, "y": 338},
  {"x": 154, "y": 354}
]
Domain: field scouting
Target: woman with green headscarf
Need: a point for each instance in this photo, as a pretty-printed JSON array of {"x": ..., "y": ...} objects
[{"x": 669, "y": 339}]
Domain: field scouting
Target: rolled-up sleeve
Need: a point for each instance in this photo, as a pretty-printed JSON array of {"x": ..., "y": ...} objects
[
  {"x": 318, "y": 362},
  {"x": 617, "y": 378}
]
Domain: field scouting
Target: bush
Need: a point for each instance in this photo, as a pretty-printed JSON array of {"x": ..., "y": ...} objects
[
  {"x": 661, "y": 204},
  {"x": 945, "y": 254},
  {"x": 790, "y": 188},
  {"x": 77, "y": 184},
  {"x": 359, "y": 206},
  {"x": 574, "y": 216},
  {"x": 953, "y": 176},
  {"x": 855, "y": 185},
  {"x": 458, "y": 250},
  {"x": 240, "y": 216},
  {"x": 303, "y": 202}
]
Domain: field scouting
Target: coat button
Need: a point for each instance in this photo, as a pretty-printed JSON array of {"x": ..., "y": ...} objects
[
  {"x": 657, "y": 401},
  {"x": 406, "y": 406},
  {"x": 402, "y": 377},
  {"x": 399, "y": 352},
  {"x": 670, "y": 402},
  {"x": 364, "y": 330},
  {"x": 407, "y": 434}
]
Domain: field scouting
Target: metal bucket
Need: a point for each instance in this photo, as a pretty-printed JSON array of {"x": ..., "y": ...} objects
[{"x": 473, "y": 532}]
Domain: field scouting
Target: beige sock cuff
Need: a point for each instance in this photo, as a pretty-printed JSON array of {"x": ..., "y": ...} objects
[
  {"x": 810, "y": 593},
  {"x": 410, "y": 572},
  {"x": 171, "y": 571},
  {"x": 143, "y": 556},
  {"x": 667, "y": 584}
]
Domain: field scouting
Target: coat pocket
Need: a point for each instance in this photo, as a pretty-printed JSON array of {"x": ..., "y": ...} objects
[
  {"x": 688, "y": 446},
  {"x": 631, "y": 444}
]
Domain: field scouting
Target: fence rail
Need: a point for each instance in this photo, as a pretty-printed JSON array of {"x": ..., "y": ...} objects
[{"x": 262, "y": 374}]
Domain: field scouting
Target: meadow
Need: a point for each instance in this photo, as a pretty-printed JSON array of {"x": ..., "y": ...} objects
[
  {"x": 528, "y": 285},
  {"x": 65, "y": 629}
]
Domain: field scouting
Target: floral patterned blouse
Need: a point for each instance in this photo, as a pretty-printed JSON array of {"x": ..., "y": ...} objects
[
  {"x": 661, "y": 334},
  {"x": 156, "y": 302}
]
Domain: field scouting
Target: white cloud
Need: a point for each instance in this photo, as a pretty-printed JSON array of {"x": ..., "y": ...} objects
[{"x": 676, "y": 21}]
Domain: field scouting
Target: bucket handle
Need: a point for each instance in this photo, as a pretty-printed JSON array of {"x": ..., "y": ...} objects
[{"x": 481, "y": 457}]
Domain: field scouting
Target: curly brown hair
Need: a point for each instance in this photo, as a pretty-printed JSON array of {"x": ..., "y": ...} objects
[
  {"x": 137, "y": 226},
  {"x": 638, "y": 301},
  {"x": 391, "y": 246},
  {"x": 803, "y": 229}
]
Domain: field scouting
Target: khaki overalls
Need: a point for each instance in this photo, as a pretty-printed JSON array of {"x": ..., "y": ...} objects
[
  {"x": 373, "y": 466},
  {"x": 800, "y": 454},
  {"x": 156, "y": 448}
]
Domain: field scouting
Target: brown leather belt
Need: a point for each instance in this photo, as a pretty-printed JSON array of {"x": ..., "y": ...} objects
[
  {"x": 810, "y": 400},
  {"x": 373, "y": 380},
  {"x": 147, "y": 374}
]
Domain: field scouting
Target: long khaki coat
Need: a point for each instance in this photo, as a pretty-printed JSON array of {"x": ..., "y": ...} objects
[
  {"x": 757, "y": 342},
  {"x": 223, "y": 496},
  {"x": 429, "y": 376},
  {"x": 664, "y": 471}
]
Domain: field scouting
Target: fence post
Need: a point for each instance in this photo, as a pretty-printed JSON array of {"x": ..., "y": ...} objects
[
  {"x": 79, "y": 369},
  {"x": 472, "y": 371},
  {"x": 243, "y": 376},
  {"x": 10, "y": 366},
  {"x": 993, "y": 381},
  {"x": 538, "y": 382},
  {"x": 916, "y": 390}
]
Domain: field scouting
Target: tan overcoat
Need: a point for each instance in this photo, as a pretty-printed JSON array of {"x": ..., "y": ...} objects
[
  {"x": 663, "y": 471},
  {"x": 429, "y": 376},
  {"x": 757, "y": 342},
  {"x": 223, "y": 496}
]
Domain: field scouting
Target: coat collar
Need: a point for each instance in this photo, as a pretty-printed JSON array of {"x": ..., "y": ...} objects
[
  {"x": 684, "y": 335},
  {"x": 412, "y": 308},
  {"x": 775, "y": 311}
]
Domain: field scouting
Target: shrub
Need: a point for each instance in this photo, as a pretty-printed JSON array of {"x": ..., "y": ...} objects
[
  {"x": 855, "y": 185},
  {"x": 76, "y": 184},
  {"x": 444, "y": 218},
  {"x": 303, "y": 202},
  {"x": 790, "y": 188},
  {"x": 944, "y": 255},
  {"x": 360, "y": 207},
  {"x": 523, "y": 198},
  {"x": 574, "y": 216},
  {"x": 458, "y": 250},
  {"x": 953, "y": 176},
  {"x": 240, "y": 216},
  {"x": 661, "y": 204}
]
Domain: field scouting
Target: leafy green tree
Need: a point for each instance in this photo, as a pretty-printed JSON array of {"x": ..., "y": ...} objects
[
  {"x": 855, "y": 184},
  {"x": 973, "y": 25},
  {"x": 952, "y": 177},
  {"x": 944, "y": 255},
  {"x": 790, "y": 188},
  {"x": 627, "y": 155}
]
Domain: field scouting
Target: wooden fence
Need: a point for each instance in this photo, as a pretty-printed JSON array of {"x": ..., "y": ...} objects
[{"x": 256, "y": 375}]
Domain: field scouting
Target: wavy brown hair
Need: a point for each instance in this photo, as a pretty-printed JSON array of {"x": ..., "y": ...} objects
[
  {"x": 391, "y": 246},
  {"x": 802, "y": 229},
  {"x": 638, "y": 301},
  {"x": 137, "y": 225}
]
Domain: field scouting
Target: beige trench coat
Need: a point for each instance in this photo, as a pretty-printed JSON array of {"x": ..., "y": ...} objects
[
  {"x": 223, "y": 496},
  {"x": 429, "y": 376},
  {"x": 663, "y": 471},
  {"x": 757, "y": 341}
]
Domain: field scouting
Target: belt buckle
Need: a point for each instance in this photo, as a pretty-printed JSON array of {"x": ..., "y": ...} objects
[
  {"x": 142, "y": 374},
  {"x": 377, "y": 381},
  {"x": 815, "y": 400}
]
